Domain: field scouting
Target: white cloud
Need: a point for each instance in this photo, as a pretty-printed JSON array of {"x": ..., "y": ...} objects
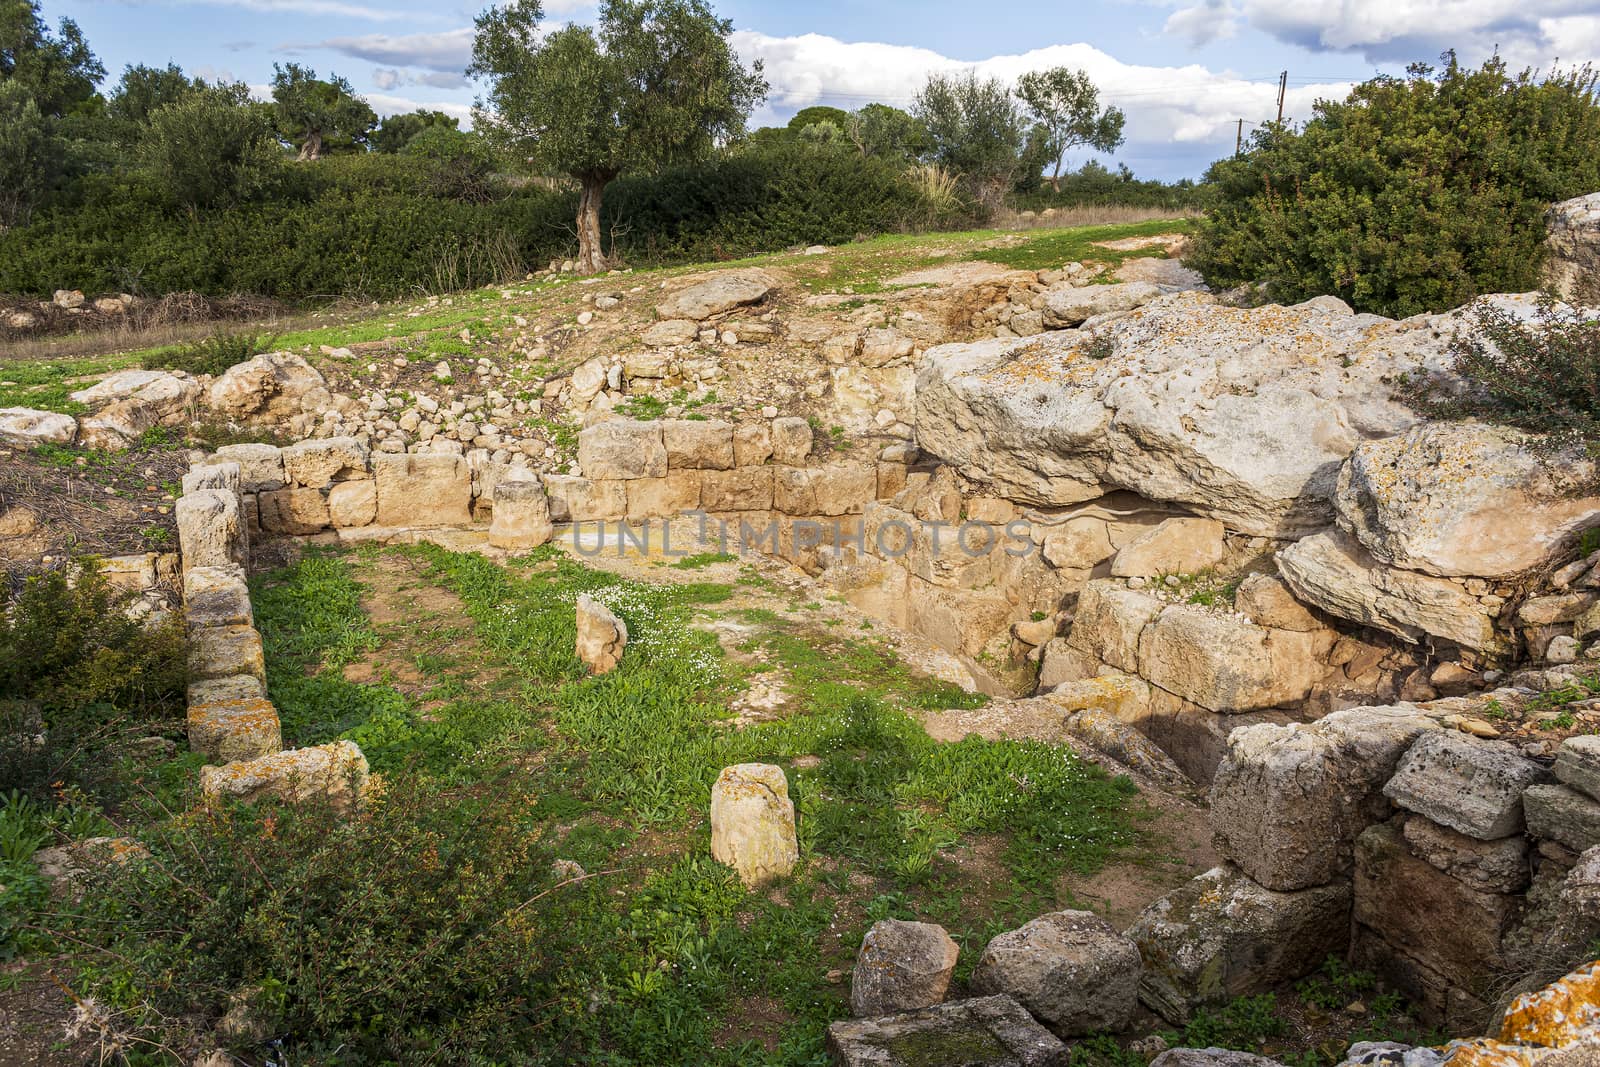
[
  {"x": 336, "y": 8},
  {"x": 1164, "y": 104},
  {"x": 1212, "y": 20},
  {"x": 385, "y": 104},
  {"x": 386, "y": 78},
  {"x": 449, "y": 51},
  {"x": 1389, "y": 31}
]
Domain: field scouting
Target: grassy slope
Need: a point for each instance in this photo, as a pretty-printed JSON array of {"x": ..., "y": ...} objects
[{"x": 434, "y": 333}]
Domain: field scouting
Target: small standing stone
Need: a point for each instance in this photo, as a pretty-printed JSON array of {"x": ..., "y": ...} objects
[
  {"x": 902, "y": 966},
  {"x": 521, "y": 518},
  {"x": 601, "y": 636},
  {"x": 752, "y": 822}
]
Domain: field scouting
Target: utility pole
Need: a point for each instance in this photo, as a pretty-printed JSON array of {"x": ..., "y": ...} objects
[
  {"x": 1238, "y": 139},
  {"x": 1283, "y": 90}
]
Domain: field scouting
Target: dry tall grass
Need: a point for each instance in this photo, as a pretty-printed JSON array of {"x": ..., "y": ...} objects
[{"x": 1088, "y": 215}]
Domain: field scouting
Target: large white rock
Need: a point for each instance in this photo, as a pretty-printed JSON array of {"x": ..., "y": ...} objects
[
  {"x": 1067, "y": 305},
  {"x": 1572, "y": 240},
  {"x": 521, "y": 518},
  {"x": 1288, "y": 802},
  {"x": 1471, "y": 785},
  {"x": 722, "y": 291},
  {"x": 601, "y": 636},
  {"x": 27, "y": 428},
  {"x": 1333, "y": 572},
  {"x": 752, "y": 822},
  {"x": 269, "y": 387},
  {"x": 1460, "y": 499},
  {"x": 902, "y": 966},
  {"x": 1242, "y": 415}
]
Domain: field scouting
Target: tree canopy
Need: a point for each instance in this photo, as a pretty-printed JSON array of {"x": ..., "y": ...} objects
[
  {"x": 57, "y": 70},
  {"x": 397, "y": 131},
  {"x": 974, "y": 128},
  {"x": 1065, "y": 105},
  {"x": 654, "y": 83},
  {"x": 319, "y": 114}
]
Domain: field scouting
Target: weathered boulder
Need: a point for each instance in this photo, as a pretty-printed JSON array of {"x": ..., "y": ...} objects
[
  {"x": 703, "y": 444},
  {"x": 1109, "y": 621},
  {"x": 1572, "y": 244},
  {"x": 1071, "y": 969},
  {"x": 318, "y": 463},
  {"x": 1499, "y": 866},
  {"x": 1288, "y": 802},
  {"x": 1222, "y": 936},
  {"x": 521, "y": 518},
  {"x": 1469, "y": 784},
  {"x": 336, "y": 772},
  {"x": 129, "y": 402},
  {"x": 1266, "y": 601},
  {"x": 211, "y": 531},
  {"x": 1242, "y": 415},
  {"x": 64, "y": 866},
  {"x": 601, "y": 636},
  {"x": 752, "y": 822},
  {"x": 1104, "y": 728},
  {"x": 791, "y": 440},
  {"x": 353, "y": 504},
  {"x": 422, "y": 490},
  {"x": 1450, "y": 927},
  {"x": 1333, "y": 572},
  {"x": 902, "y": 966},
  {"x": 1067, "y": 306},
  {"x": 981, "y": 1032},
  {"x": 1578, "y": 764},
  {"x": 1436, "y": 499},
  {"x": 574, "y": 499},
  {"x": 622, "y": 449},
  {"x": 260, "y": 465},
  {"x": 27, "y": 428},
  {"x": 1565, "y": 816},
  {"x": 1225, "y": 663},
  {"x": 719, "y": 292},
  {"x": 1176, "y": 546},
  {"x": 270, "y": 387}
]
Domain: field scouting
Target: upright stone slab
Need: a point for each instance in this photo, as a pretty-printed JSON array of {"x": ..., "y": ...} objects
[
  {"x": 982, "y": 1032},
  {"x": 1288, "y": 802},
  {"x": 601, "y": 636},
  {"x": 1071, "y": 969},
  {"x": 752, "y": 822},
  {"x": 211, "y": 531},
  {"x": 216, "y": 596},
  {"x": 1471, "y": 785},
  {"x": 1222, "y": 936},
  {"x": 521, "y": 518}
]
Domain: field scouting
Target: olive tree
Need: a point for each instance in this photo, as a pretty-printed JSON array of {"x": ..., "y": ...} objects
[
  {"x": 316, "y": 113},
  {"x": 654, "y": 83},
  {"x": 29, "y": 155},
  {"x": 974, "y": 128},
  {"x": 211, "y": 148},
  {"x": 1065, "y": 105}
]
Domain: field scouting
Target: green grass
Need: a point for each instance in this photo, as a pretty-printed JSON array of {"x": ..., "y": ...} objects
[
  {"x": 45, "y": 384},
  {"x": 1048, "y": 249}
]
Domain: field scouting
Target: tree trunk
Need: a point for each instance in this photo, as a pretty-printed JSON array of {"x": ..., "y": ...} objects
[
  {"x": 311, "y": 151},
  {"x": 1055, "y": 179},
  {"x": 591, "y": 257}
]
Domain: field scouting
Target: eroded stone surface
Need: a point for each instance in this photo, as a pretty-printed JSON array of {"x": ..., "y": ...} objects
[
  {"x": 902, "y": 966},
  {"x": 1070, "y": 969},
  {"x": 336, "y": 772},
  {"x": 752, "y": 822},
  {"x": 1469, "y": 784},
  {"x": 991, "y": 1031},
  {"x": 601, "y": 636}
]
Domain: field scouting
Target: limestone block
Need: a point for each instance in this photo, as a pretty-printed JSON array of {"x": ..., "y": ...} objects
[
  {"x": 741, "y": 489},
  {"x": 983, "y": 1031},
  {"x": 752, "y": 822},
  {"x": 1566, "y": 816},
  {"x": 211, "y": 530},
  {"x": 293, "y": 512},
  {"x": 665, "y": 497},
  {"x": 1176, "y": 546},
  {"x": 352, "y": 505},
  {"x": 220, "y": 651},
  {"x": 752, "y": 444},
  {"x": 335, "y": 771},
  {"x": 622, "y": 449},
  {"x": 902, "y": 966},
  {"x": 1224, "y": 663},
  {"x": 319, "y": 462},
  {"x": 601, "y": 636},
  {"x": 703, "y": 444},
  {"x": 791, "y": 441},
  {"x": 521, "y": 518},
  {"x": 837, "y": 489},
  {"x": 1466, "y": 783},
  {"x": 216, "y": 596},
  {"x": 227, "y": 730},
  {"x": 1488, "y": 866},
  {"x": 221, "y": 475},
  {"x": 260, "y": 465},
  {"x": 423, "y": 490},
  {"x": 574, "y": 499}
]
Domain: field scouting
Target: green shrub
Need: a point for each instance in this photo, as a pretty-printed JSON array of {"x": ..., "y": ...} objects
[
  {"x": 1412, "y": 195},
  {"x": 80, "y": 678},
  {"x": 211, "y": 355},
  {"x": 1543, "y": 377}
]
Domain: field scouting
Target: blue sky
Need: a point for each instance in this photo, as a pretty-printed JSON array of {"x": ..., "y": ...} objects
[{"x": 1183, "y": 70}]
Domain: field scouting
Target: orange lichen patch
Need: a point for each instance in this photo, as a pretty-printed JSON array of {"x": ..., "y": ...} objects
[
  {"x": 337, "y": 771},
  {"x": 228, "y": 730},
  {"x": 1487, "y": 1052},
  {"x": 1557, "y": 1015}
]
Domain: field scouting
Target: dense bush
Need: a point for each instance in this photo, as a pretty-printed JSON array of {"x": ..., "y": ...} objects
[
  {"x": 1094, "y": 185},
  {"x": 78, "y": 678},
  {"x": 1412, "y": 195},
  {"x": 385, "y": 225},
  {"x": 1543, "y": 377},
  {"x": 210, "y": 355}
]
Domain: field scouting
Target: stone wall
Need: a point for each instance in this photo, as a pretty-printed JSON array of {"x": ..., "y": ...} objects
[{"x": 1454, "y": 866}]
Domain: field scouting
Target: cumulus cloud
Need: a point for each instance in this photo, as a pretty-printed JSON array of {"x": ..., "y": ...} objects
[
  {"x": 1388, "y": 31},
  {"x": 1187, "y": 104},
  {"x": 387, "y": 78},
  {"x": 386, "y": 104},
  {"x": 1212, "y": 20}
]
